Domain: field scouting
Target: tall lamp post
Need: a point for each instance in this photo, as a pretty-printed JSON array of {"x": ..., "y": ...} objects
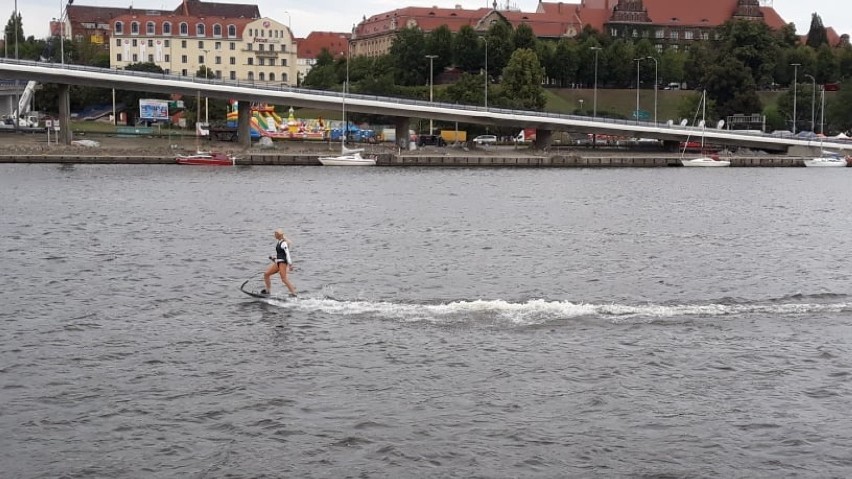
[
  {"x": 813, "y": 102},
  {"x": 822, "y": 110},
  {"x": 63, "y": 9},
  {"x": 638, "y": 61},
  {"x": 655, "y": 86},
  {"x": 595, "y": 95},
  {"x": 431, "y": 77},
  {"x": 206, "y": 77},
  {"x": 486, "y": 71},
  {"x": 795, "y": 83}
]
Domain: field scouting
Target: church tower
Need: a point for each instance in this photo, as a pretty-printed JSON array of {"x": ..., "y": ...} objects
[
  {"x": 630, "y": 11},
  {"x": 748, "y": 10}
]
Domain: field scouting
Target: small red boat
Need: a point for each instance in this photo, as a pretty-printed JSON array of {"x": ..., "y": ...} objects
[{"x": 207, "y": 158}]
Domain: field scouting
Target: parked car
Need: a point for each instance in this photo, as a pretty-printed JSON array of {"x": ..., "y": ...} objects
[
  {"x": 485, "y": 140},
  {"x": 434, "y": 140}
]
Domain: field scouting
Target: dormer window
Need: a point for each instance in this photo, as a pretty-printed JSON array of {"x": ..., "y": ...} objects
[
  {"x": 167, "y": 28},
  {"x": 149, "y": 28},
  {"x": 199, "y": 29},
  {"x": 134, "y": 28},
  {"x": 119, "y": 28},
  {"x": 184, "y": 28},
  {"x": 232, "y": 31},
  {"x": 217, "y": 30}
]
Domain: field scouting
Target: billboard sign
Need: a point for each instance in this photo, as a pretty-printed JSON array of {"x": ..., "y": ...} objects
[{"x": 153, "y": 109}]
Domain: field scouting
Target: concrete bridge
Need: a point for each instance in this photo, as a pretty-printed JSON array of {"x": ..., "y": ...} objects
[{"x": 403, "y": 109}]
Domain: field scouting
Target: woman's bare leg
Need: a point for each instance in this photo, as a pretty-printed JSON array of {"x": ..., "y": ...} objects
[
  {"x": 272, "y": 269},
  {"x": 283, "y": 272}
]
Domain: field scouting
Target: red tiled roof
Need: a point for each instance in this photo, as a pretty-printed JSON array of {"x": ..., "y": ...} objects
[
  {"x": 87, "y": 14},
  {"x": 312, "y": 45},
  {"x": 679, "y": 12},
  {"x": 427, "y": 19},
  {"x": 772, "y": 18},
  {"x": 198, "y": 8},
  {"x": 176, "y": 20}
]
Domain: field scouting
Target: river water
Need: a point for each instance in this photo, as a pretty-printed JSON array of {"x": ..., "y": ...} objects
[{"x": 451, "y": 323}]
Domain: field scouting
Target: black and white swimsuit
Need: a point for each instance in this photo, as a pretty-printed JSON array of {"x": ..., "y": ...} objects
[{"x": 282, "y": 252}]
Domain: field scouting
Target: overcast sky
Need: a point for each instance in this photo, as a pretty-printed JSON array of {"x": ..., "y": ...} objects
[{"x": 340, "y": 15}]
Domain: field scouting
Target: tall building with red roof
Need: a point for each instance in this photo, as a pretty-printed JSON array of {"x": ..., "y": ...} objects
[{"x": 666, "y": 23}]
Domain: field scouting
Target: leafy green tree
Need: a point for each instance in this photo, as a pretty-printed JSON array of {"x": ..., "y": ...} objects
[
  {"x": 500, "y": 47},
  {"x": 730, "y": 84},
  {"x": 617, "y": 65},
  {"x": 525, "y": 38},
  {"x": 701, "y": 57},
  {"x": 844, "y": 60},
  {"x": 408, "y": 51},
  {"x": 672, "y": 66},
  {"x": 563, "y": 66},
  {"x": 14, "y": 26},
  {"x": 323, "y": 75},
  {"x": 804, "y": 94},
  {"x": 582, "y": 61},
  {"x": 440, "y": 42},
  {"x": 838, "y": 113},
  {"x": 468, "y": 90},
  {"x": 817, "y": 35},
  {"x": 522, "y": 80},
  {"x": 468, "y": 49},
  {"x": 827, "y": 65}
]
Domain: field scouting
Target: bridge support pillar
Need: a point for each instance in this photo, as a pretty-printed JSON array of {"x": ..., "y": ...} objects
[
  {"x": 243, "y": 124},
  {"x": 65, "y": 114},
  {"x": 402, "y": 126},
  {"x": 543, "y": 139}
]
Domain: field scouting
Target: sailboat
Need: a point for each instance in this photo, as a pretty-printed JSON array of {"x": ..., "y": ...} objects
[
  {"x": 348, "y": 156},
  {"x": 704, "y": 160},
  {"x": 204, "y": 157}
]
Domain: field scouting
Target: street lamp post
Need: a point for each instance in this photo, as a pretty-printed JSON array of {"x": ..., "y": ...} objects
[
  {"x": 595, "y": 95},
  {"x": 813, "y": 102},
  {"x": 206, "y": 99},
  {"x": 822, "y": 110},
  {"x": 486, "y": 71},
  {"x": 63, "y": 9},
  {"x": 795, "y": 83},
  {"x": 431, "y": 78},
  {"x": 638, "y": 61},
  {"x": 655, "y": 86}
]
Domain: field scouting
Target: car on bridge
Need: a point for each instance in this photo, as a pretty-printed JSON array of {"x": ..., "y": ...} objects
[{"x": 485, "y": 140}]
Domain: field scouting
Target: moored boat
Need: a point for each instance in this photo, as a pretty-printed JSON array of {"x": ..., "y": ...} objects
[
  {"x": 207, "y": 158},
  {"x": 351, "y": 159}
]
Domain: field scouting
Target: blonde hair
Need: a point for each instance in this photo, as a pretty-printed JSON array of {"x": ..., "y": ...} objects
[{"x": 280, "y": 232}]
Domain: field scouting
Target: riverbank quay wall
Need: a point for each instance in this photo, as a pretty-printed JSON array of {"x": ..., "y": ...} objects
[{"x": 556, "y": 161}]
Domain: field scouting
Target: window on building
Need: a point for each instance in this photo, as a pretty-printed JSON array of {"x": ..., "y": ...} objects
[
  {"x": 283, "y": 62},
  {"x": 232, "y": 75},
  {"x": 135, "y": 58},
  {"x": 168, "y": 58},
  {"x": 167, "y": 71},
  {"x": 151, "y": 43},
  {"x": 218, "y": 60},
  {"x": 183, "y": 72},
  {"x": 271, "y": 76},
  {"x": 183, "y": 58},
  {"x": 248, "y": 46},
  {"x": 134, "y": 28},
  {"x": 199, "y": 29},
  {"x": 201, "y": 59},
  {"x": 118, "y": 42},
  {"x": 217, "y": 30},
  {"x": 261, "y": 61},
  {"x": 218, "y": 74},
  {"x": 135, "y": 44},
  {"x": 284, "y": 78},
  {"x": 674, "y": 35},
  {"x": 201, "y": 44},
  {"x": 659, "y": 48},
  {"x": 232, "y": 60},
  {"x": 660, "y": 33},
  {"x": 613, "y": 32},
  {"x": 119, "y": 28},
  {"x": 149, "y": 28},
  {"x": 118, "y": 57},
  {"x": 232, "y": 31},
  {"x": 150, "y": 58},
  {"x": 250, "y": 61},
  {"x": 183, "y": 43},
  {"x": 167, "y": 43},
  {"x": 251, "y": 75},
  {"x": 688, "y": 35},
  {"x": 261, "y": 76},
  {"x": 272, "y": 62},
  {"x": 233, "y": 46},
  {"x": 184, "y": 28},
  {"x": 217, "y": 46},
  {"x": 167, "y": 28}
]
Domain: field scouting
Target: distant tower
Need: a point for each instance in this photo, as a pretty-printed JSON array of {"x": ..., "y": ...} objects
[
  {"x": 630, "y": 11},
  {"x": 748, "y": 10}
]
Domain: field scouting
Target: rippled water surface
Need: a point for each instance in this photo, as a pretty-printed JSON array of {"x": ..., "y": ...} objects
[{"x": 451, "y": 323}]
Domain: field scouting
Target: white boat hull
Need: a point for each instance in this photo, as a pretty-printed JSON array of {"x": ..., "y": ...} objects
[
  {"x": 827, "y": 162},
  {"x": 706, "y": 162},
  {"x": 347, "y": 160}
]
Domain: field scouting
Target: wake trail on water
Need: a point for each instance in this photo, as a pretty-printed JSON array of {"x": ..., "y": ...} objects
[{"x": 541, "y": 311}]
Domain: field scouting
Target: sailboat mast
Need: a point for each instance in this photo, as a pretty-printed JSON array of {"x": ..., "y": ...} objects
[{"x": 703, "y": 116}]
